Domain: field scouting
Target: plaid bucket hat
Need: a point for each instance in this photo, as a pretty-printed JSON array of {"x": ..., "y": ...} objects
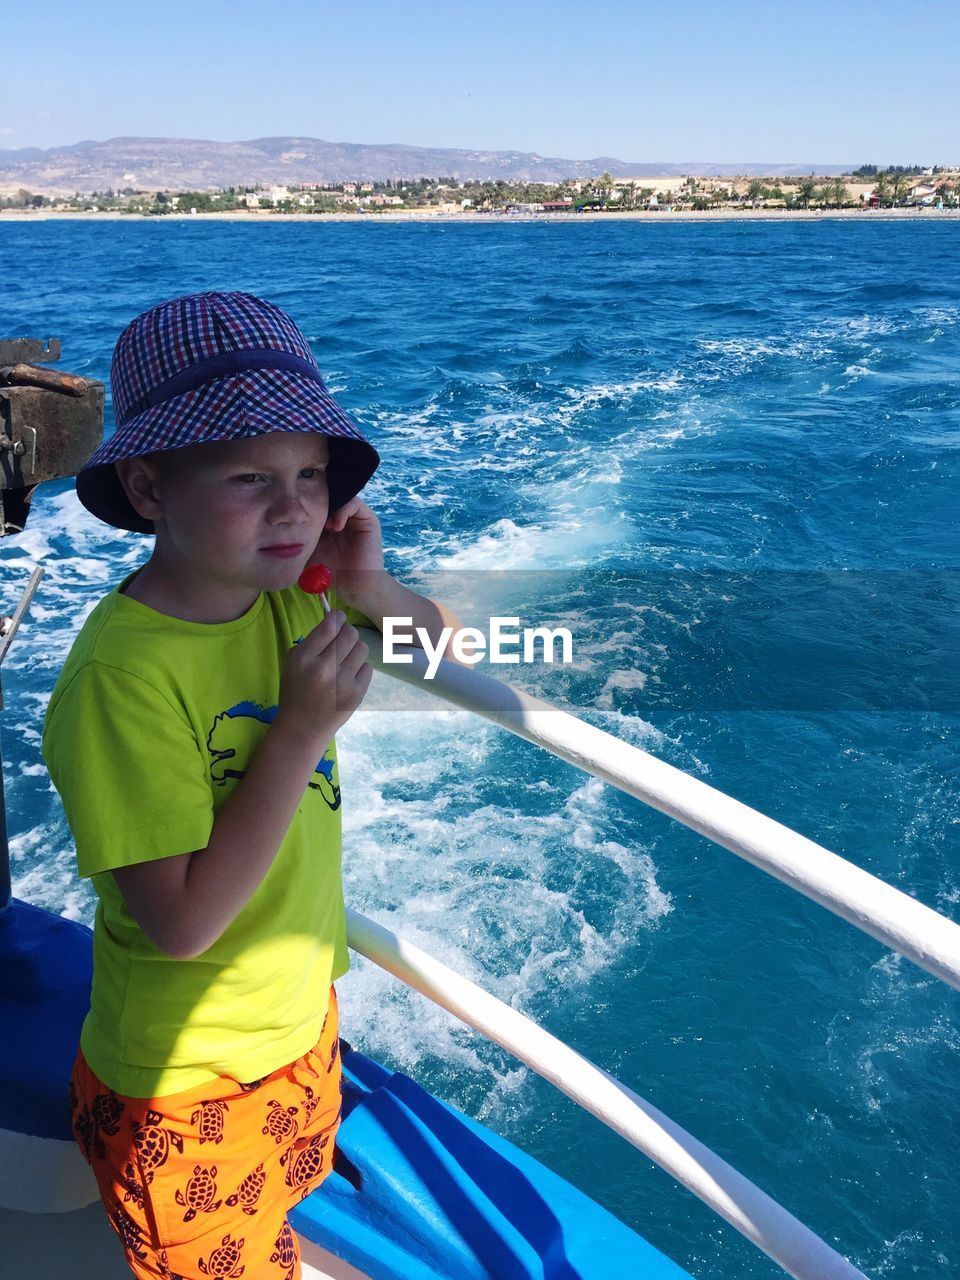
[{"x": 216, "y": 366}]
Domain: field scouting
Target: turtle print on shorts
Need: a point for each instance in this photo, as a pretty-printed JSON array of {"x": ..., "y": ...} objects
[
  {"x": 248, "y": 1192},
  {"x": 103, "y": 1115},
  {"x": 107, "y": 1110},
  {"x": 224, "y": 1261},
  {"x": 198, "y": 1195},
  {"x": 129, "y": 1231},
  {"x": 281, "y": 1125},
  {"x": 163, "y": 1187},
  {"x": 285, "y": 1252},
  {"x": 132, "y": 1188},
  {"x": 210, "y": 1117},
  {"x": 85, "y": 1132},
  {"x": 303, "y": 1168},
  {"x": 153, "y": 1144},
  {"x": 165, "y": 1267},
  {"x": 311, "y": 1104}
]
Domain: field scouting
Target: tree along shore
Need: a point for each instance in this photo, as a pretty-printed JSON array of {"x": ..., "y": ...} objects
[
  {"x": 860, "y": 216},
  {"x": 869, "y": 188}
]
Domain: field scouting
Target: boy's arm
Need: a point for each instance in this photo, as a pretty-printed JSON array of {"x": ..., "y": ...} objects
[
  {"x": 384, "y": 597},
  {"x": 184, "y": 903}
]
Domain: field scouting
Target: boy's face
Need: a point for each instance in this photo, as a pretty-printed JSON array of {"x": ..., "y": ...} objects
[{"x": 234, "y": 518}]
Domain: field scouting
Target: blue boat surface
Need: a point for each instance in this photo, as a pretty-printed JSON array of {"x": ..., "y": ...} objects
[
  {"x": 419, "y": 1191},
  {"x": 429, "y": 1193},
  {"x": 46, "y": 965}
]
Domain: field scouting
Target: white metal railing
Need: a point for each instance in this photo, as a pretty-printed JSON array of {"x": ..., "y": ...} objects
[
  {"x": 892, "y": 917},
  {"x": 751, "y": 1211}
]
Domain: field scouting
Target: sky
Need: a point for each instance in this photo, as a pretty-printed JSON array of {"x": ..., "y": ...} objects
[{"x": 828, "y": 81}]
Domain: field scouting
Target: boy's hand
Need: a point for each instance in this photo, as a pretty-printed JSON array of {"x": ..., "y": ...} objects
[
  {"x": 323, "y": 681},
  {"x": 352, "y": 546}
]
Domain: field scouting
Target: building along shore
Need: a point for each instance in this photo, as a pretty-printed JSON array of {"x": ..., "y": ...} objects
[{"x": 910, "y": 213}]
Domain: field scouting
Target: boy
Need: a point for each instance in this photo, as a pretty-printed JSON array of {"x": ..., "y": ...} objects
[{"x": 190, "y": 736}]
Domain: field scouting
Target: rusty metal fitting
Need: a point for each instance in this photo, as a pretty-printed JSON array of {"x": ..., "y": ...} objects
[
  {"x": 50, "y": 424},
  {"x": 29, "y": 375}
]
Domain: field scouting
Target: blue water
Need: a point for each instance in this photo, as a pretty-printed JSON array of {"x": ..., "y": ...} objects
[{"x": 726, "y": 456}]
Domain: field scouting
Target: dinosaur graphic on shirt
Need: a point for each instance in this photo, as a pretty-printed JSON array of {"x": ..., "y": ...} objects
[{"x": 235, "y": 735}]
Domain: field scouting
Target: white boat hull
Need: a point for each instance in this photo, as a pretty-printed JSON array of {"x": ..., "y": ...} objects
[{"x": 43, "y": 1175}]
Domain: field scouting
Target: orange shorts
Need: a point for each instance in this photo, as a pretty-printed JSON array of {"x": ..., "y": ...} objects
[{"x": 198, "y": 1184}]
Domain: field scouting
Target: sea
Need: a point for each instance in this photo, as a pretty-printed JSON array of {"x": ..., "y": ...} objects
[{"x": 724, "y": 456}]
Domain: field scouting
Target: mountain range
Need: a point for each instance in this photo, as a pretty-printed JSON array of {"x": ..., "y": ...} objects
[{"x": 180, "y": 164}]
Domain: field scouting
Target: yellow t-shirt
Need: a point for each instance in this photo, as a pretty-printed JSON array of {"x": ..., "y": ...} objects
[{"x": 150, "y": 725}]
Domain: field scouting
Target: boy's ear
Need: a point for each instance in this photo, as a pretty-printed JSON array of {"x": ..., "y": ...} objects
[{"x": 138, "y": 476}]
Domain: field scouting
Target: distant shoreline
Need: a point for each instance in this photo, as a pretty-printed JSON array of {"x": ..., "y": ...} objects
[{"x": 424, "y": 215}]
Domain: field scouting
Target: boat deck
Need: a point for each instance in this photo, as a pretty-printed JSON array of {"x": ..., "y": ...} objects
[{"x": 81, "y": 1246}]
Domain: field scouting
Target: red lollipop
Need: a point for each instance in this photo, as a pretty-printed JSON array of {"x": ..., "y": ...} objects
[{"x": 315, "y": 580}]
